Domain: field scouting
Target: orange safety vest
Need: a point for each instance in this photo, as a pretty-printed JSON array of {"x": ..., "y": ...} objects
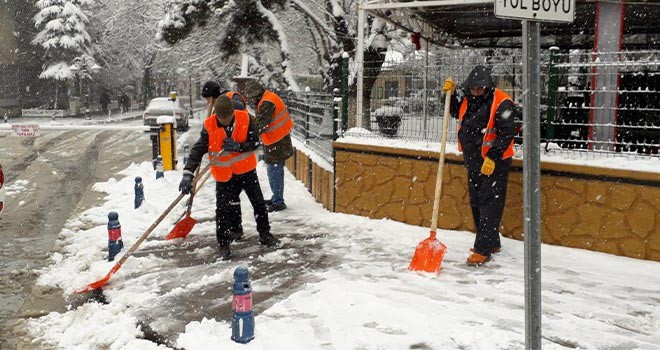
[
  {"x": 225, "y": 164},
  {"x": 231, "y": 94},
  {"x": 280, "y": 124},
  {"x": 491, "y": 133}
]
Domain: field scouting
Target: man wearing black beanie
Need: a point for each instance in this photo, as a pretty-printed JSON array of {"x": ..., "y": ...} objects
[{"x": 210, "y": 91}]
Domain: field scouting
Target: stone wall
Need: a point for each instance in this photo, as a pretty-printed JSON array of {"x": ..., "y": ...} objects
[{"x": 607, "y": 210}]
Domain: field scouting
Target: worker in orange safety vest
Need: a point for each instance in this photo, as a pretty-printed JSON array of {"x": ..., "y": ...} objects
[
  {"x": 230, "y": 138},
  {"x": 274, "y": 124},
  {"x": 485, "y": 136}
]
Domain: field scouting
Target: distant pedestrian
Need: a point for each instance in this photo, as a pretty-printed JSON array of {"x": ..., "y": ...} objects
[
  {"x": 230, "y": 138},
  {"x": 104, "y": 100},
  {"x": 274, "y": 124},
  {"x": 485, "y": 135},
  {"x": 124, "y": 102}
]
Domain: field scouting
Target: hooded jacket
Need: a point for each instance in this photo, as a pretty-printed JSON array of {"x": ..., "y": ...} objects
[{"x": 476, "y": 119}]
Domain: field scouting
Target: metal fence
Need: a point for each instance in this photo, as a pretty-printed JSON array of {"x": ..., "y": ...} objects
[
  {"x": 605, "y": 102},
  {"x": 314, "y": 116},
  {"x": 406, "y": 101},
  {"x": 592, "y": 102}
]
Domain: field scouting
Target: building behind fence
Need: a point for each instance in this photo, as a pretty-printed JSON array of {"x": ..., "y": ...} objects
[
  {"x": 583, "y": 206},
  {"x": 621, "y": 116}
]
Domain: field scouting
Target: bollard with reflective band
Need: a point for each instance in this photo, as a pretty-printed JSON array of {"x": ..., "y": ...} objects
[
  {"x": 159, "y": 167},
  {"x": 115, "y": 243},
  {"x": 242, "y": 320},
  {"x": 139, "y": 192}
]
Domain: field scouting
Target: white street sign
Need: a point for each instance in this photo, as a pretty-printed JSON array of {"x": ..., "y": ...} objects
[
  {"x": 34, "y": 112},
  {"x": 536, "y": 10},
  {"x": 29, "y": 130}
]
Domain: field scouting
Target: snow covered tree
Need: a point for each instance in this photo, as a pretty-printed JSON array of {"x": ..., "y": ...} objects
[
  {"x": 327, "y": 27},
  {"x": 125, "y": 32},
  {"x": 248, "y": 25},
  {"x": 63, "y": 35}
]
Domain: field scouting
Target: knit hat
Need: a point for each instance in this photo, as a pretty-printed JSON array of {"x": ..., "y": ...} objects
[{"x": 211, "y": 89}]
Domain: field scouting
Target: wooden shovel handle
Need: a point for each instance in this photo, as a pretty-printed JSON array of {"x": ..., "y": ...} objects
[
  {"x": 441, "y": 163},
  {"x": 197, "y": 187},
  {"x": 153, "y": 226}
]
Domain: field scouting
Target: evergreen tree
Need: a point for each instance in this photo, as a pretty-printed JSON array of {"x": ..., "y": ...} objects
[{"x": 63, "y": 35}]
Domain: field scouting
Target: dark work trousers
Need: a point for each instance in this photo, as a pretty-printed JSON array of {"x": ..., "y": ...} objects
[
  {"x": 487, "y": 198},
  {"x": 227, "y": 216}
]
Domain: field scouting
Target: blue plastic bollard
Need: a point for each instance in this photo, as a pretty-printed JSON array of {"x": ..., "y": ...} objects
[
  {"x": 115, "y": 243},
  {"x": 242, "y": 320},
  {"x": 159, "y": 167},
  {"x": 139, "y": 192}
]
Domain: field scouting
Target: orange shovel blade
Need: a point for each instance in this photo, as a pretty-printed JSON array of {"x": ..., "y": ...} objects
[
  {"x": 182, "y": 228},
  {"x": 428, "y": 255},
  {"x": 100, "y": 283}
]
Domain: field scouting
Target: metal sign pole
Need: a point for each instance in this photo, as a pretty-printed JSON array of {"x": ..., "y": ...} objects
[
  {"x": 531, "y": 183},
  {"x": 359, "y": 58}
]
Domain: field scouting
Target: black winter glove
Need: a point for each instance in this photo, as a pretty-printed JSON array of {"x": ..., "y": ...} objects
[
  {"x": 231, "y": 145},
  {"x": 185, "y": 185}
]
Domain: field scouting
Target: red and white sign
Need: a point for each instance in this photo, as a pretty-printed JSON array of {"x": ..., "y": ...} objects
[{"x": 29, "y": 130}]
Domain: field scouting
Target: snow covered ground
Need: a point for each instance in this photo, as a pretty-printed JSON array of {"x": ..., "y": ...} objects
[{"x": 338, "y": 282}]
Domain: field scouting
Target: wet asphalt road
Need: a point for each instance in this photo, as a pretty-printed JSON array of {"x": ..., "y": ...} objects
[{"x": 48, "y": 178}]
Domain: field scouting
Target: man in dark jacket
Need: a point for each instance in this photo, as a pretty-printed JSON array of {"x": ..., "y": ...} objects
[
  {"x": 234, "y": 168},
  {"x": 271, "y": 113},
  {"x": 485, "y": 135},
  {"x": 105, "y": 101}
]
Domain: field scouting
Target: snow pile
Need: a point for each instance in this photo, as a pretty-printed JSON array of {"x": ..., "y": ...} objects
[{"x": 338, "y": 282}]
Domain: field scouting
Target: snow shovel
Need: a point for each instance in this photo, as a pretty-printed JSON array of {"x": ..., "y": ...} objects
[
  {"x": 429, "y": 252},
  {"x": 102, "y": 282},
  {"x": 186, "y": 224}
]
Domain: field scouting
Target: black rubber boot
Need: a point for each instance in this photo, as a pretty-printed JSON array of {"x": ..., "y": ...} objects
[
  {"x": 268, "y": 240},
  {"x": 235, "y": 235},
  {"x": 224, "y": 251},
  {"x": 276, "y": 207}
]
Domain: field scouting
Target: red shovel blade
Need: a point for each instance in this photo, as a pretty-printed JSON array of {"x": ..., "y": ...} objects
[
  {"x": 182, "y": 228},
  {"x": 100, "y": 283},
  {"x": 428, "y": 255}
]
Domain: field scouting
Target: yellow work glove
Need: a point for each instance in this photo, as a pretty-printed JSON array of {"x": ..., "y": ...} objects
[
  {"x": 449, "y": 85},
  {"x": 488, "y": 167}
]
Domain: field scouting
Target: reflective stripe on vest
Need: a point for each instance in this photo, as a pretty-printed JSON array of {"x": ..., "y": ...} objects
[
  {"x": 280, "y": 123},
  {"x": 490, "y": 133},
  {"x": 223, "y": 163}
]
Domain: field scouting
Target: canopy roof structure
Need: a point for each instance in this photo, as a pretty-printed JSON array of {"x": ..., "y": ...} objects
[{"x": 473, "y": 23}]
